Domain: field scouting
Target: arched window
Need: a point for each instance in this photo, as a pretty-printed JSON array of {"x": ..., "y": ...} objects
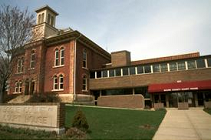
[
  {"x": 19, "y": 66},
  {"x": 62, "y": 56},
  {"x": 42, "y": 20},
  {"x": 61, "y": 82},
  {"x": 52, "y": 21},
  {"x": 84, "y": 58},
  {"x": 49, "y": 18},
  {"x": 84, "y": 83},
  {"x": 55, "y": 83},
  {"x": 20, "y": 86},
  {"x": 16, "y": 87},
  {"x": 56, "y": 57},
  {"x": 39, "y": 19},
  {"x": 32, "y": 62}
]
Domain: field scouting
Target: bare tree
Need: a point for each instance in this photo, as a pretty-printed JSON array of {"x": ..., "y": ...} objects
[{"x": 15, "y": 32}]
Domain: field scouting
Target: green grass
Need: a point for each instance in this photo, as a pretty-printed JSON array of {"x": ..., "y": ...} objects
[
  {"x": 118, "y": 123},
  {"x": 103, "y": 124},
  {"x": 208, "y": 110}
]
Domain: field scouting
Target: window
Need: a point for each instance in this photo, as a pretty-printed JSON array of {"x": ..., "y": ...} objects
[
  {"x": 84, "y": 58},
  {"x": 125, "y": 71},
  {"x": 147, "y": 69},
  {"x": 52, "y": 20},
  {"x": 163, "y": 67},
  {"x": 181, "y": 65},
  {"x": 19, "y": 66},
  {"x": 118, "y": 72},
  {"x": 18, "y": 87},
  {"x": 209, "y": 62},
  {"x": 22, "y": 63},
  {"x": 173, "y": 66},
  {"x": 62, "y": 56},
  {"x": 39, "y": 19},
  {"x": 111, "y": 73},
  {"x": 104, "y": 73},
  {"x": 92, "y": 74},
  {"x": 42, "y": 20},
  {"x": 84, "y": 83},
  {"x": 49, "y": 18},
  {"x": 200, "y": 63},
  {"x": 32, "y": 62},
  {"x": 156, "y": 68},
  {"x": 140, "y": 69},
  {"x": 55, "y": 82},
  {"x": 56, "y": 57},
  {"x": 191, "y": 64},
  {"x": 61, "y": 82},
  {"x": 132, "y": 70}
]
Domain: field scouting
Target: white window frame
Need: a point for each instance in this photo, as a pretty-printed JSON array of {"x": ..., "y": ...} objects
[
  {"x": 61, "y": 83},
  {"x": 56, "y": 58},
  {"x": 84, "y": 60},
  {"x": 55, "y": 83},
  {"x": 31, "y": 60},
  {"x": 84, "y": 84},
  {"x": 61, "y": 57}
]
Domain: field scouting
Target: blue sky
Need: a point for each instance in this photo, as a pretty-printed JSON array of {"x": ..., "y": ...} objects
[{"x": 146, "y": 28}]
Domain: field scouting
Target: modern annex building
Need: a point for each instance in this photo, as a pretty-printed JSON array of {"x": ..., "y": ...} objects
[{"x": 66, "y": 62}]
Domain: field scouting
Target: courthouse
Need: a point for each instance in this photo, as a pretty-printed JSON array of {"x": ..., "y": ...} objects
[{"x": 66, "y": 62}]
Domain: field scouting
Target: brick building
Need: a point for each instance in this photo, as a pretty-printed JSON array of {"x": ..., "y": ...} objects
[
  {"x": 66, "y": 62},
  {"x": 56, "y": 60}
]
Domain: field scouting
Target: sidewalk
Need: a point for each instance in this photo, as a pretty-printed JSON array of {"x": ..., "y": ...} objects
[{"x": 192, "y": 124}]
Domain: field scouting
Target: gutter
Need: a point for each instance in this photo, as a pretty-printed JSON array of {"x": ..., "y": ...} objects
[{"x": 74, "y": 75}]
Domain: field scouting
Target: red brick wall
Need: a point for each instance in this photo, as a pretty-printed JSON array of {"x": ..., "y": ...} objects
[
  {"x": 94, "y": 61},
  {"x": 66, "y": 70},
  {"x": 122, "y": 101}
]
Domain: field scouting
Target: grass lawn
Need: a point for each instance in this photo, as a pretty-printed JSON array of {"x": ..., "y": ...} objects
[
  {"x": 207, "y": 110},
  {"x": 118, "y": 123}
]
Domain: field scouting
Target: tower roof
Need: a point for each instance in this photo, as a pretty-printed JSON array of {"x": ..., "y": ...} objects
[{"x": 46, "y": 7}]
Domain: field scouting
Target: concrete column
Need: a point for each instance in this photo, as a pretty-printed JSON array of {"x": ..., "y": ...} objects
[
  {"x": 203, "y": 97},
  {"x": 100, "y": 92},
  {"x": 196, "y": 99},
  {"x": 159, "y": 98},
  {"x": 167, "y": 100},
  {"x": 133, "y": 91}
]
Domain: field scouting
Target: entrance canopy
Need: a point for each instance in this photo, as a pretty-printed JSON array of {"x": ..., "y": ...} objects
[{"x": 180, "y": 86}]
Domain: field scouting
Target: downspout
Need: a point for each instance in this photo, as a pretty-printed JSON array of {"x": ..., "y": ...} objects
[{"x": 74, "y": 75}]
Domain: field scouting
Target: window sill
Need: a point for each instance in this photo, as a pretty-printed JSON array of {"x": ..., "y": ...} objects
[
  {"x": 84, "y": 90},
  {"x": 19, "y": 73},
  {"x": 17, "y": 92},
  {"x": 58, "y": 66},
  {"x": 85, "y": 68},
  {"x": 31, "y": 68},
  {"x": 57, "y": 90}
]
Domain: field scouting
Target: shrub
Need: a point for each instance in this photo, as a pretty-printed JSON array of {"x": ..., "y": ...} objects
[
  {"x": 75, "y": 133},
  {"x": 80, "y": 121},
  {"x": 43, "y": 98},
  {"x": 8, "y": 97}
]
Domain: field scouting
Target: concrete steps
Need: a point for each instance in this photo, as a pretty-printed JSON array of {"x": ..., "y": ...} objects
[{"x": 20, "y": 99}]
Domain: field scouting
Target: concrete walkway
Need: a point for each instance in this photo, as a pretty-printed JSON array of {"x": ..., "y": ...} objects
[{"x": 192, "y": 124}]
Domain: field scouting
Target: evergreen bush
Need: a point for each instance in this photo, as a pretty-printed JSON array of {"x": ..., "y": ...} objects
[{"x": 80, "y": 121}]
